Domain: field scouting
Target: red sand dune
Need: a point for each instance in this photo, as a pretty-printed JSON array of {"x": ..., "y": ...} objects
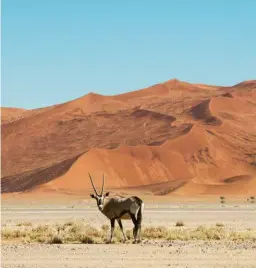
[
  {"x": 171, "y": 138},
  {"x": 9, "y": 115}
]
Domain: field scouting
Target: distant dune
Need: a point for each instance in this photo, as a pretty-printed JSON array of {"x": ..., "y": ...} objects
[{"x": 171, "y": 138}]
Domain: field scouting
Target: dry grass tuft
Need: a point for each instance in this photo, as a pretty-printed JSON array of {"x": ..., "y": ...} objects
[
  {"x": 68, "y": 223},
  {"x": 11, "y": 234},
  {"x": 155, "y": 232},
  {"x": 105, "y": 227},
  {"x": 80, "y": 232}
]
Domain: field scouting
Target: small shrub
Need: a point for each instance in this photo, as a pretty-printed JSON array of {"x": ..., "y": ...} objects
[
  {"x": 179, "y": 223},
  {"x": 55, "y": 240},
  {"x": 219, "y": 224},
  {"x": 222, "y": 199}
]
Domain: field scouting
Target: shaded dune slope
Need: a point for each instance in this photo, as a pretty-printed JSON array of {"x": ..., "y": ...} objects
[
  {"x": 202, "y": 112},
  {"x": 31, "y": 179}
]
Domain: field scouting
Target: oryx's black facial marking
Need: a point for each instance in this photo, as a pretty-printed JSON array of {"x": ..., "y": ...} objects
[{"x": 99, "y": 200}]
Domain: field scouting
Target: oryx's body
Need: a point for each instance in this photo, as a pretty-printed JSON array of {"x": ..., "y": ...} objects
[
  {"x": 117, "y": 208},
  {"x": 121, "y": 207}
]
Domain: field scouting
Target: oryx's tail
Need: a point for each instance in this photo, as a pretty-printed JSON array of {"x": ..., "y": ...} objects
[
  {"x": 141, "y": 209},
  {"x": 140, "y": 213}
]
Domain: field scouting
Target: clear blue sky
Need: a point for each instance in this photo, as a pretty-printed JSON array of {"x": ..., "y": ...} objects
[{"x": 57, "y": 50}]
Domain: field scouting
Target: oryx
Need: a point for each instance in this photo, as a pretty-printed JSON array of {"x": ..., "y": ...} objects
[{"x": 117, "y": 208}]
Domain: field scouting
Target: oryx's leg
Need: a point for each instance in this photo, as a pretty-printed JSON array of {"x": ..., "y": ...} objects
[
  {"x": 135, "y": 229},
  {"x": 121, "y": 227},
  {"x": 139, "y": 232},
  {"x": 112, "y": 221},
  {"x": 139, "y": 220}
]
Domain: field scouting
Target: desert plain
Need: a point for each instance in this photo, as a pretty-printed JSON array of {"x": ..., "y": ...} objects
[{"x": 213, "y": 250}]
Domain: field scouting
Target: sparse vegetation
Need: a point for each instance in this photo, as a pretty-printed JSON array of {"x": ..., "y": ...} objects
[
  {"x": 24, "y": 224},
  {"x": 80, "y": 232},
  {"x": 160, "y": 232},
  {"x": 251, "y": 199},
  {"x": 200, "y": 233}
]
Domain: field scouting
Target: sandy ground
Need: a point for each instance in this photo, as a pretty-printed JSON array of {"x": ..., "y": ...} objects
[
  {"x": 175, "y": 254},
  {"x": 233, "y": 218},
  {"x": 148, "y": 253}
]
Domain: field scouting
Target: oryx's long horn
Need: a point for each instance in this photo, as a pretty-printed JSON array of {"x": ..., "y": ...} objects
[
  {"x": 92, "y": 184},
  {"x": 102, "y": 189}
]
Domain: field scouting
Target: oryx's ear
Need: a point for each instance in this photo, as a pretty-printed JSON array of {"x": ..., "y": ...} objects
[
  {"x": 106, "y": 194},
  {"x": 92, "y": 195}
]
